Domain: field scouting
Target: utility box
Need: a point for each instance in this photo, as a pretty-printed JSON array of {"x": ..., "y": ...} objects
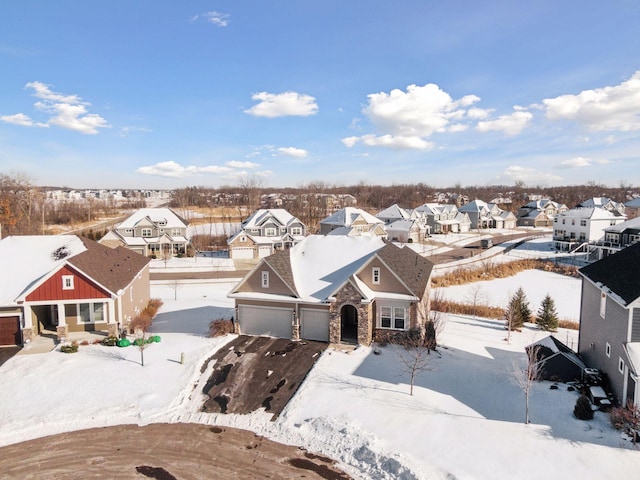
[{"x": 486, "y": 243}]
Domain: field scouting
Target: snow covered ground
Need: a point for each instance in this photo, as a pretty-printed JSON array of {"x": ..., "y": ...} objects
[{"x": 465, "y": 419}]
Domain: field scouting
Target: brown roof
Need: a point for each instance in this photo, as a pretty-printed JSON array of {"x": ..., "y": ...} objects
[
  {"x": 280, "y": 262},
  {"x": 412, "y": 269},
  {"x": 113, "y": 268}
]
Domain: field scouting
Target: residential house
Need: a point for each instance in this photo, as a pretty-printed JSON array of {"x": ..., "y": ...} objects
[
  {"x": 54, "y": 285},
  {"x": 444, "y": 218},
  {"x": 264, "y": 232},
  {"x": 618, "y": 236},
  {"x": 353, "y": 222},
  {"x": 151, "y": 232},
  {"x": 632, "y": 208},
  {"x": 616, "y": 208},
  {"x": 539, "y": 213},
  {"x": 404, "y": 226},
  {"x": 609, "y": 337},
  {"x": 580, "y": 226},
  {"x": 488, "y": 215},
  {"x": 335, "y": 289}
]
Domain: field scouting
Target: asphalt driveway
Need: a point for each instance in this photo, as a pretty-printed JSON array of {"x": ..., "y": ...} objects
[
  {"x": 255, "y": 372},
  {"x": 7, "y": 352}
]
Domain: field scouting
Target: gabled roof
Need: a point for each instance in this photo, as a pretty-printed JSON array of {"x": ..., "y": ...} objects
[
  {"x": 618, "y": 273},
  {"x": 155, "y": 215},
  {"x": 593, "y": 213},
  {"x": 346, "y": 216},
  {"x": 635, "y": 203},
  {"x": 550, "y": 346},
  {"x": 633, "y": 224},
  {"x": 394, "y": 212},
  {"x": 479, "y": 206},
  {"x": 261, "y": 216},
  {"x": 319, "y": 265},
  {"x": 27, "y": 260}
]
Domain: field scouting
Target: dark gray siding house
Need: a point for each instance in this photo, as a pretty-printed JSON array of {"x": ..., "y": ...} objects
[{"x": 610, "y": 320}]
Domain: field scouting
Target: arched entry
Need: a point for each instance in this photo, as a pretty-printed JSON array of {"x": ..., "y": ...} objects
[{"x": 348, "y": 324}]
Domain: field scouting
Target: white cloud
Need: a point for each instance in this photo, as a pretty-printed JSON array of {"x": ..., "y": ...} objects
[
  {"x": 577, "y": 162},
  {"x": 67, "y": 111},
  {"x": 418, "y": 112},
  {"x": 530, "y": 176},
  {"x": 292, "y": 152},
  {"x": 126, "y": 131},
  {"x": 238, "y": 164},
  {"x": 511, "y": 124},
  {"x": 479, "y": 113},
  {"x": 603, "y": 161},
  {"x": 389, "y": 141},
  {"x": 22, "y": 120},
  {"x": 603, "y": 109},
  {"x": 273, "y": 105},
  {"x": 175, "y": 170},
  {"x": 216, "y": 18}
]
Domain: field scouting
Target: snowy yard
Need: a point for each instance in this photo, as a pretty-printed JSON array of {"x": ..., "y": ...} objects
[{"x": 465, "y": 419}]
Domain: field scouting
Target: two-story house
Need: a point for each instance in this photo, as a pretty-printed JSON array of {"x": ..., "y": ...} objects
[
  {"x": 582, "y": 225},
  {"x": 488, "y": 215},
  {"x": 444, "y": 218},
  {"x": 353, "y": 222},
  {"x": 264, "y": 232},
  {"x": 610, "y": 321},
  {"x": 335, "y": 288},
  {"x": 539, "y": 213},
  {"x": 403, "y": 225},
  {"x": 151, "y": 232}
]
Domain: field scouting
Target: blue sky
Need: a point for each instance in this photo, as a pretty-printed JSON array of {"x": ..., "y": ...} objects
[{"x": 165, "y": 94}]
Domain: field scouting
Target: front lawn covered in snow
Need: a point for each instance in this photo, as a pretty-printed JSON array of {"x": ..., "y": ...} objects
[{"x": 465, "y": 419}]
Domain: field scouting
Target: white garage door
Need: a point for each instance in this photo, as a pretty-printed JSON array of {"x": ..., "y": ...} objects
[
  {"x": 264, "y": 252},
  {"x": 269, "y": 321},
  {"x": 241, "y": 253},
  {"x": 314, "y": 324}
]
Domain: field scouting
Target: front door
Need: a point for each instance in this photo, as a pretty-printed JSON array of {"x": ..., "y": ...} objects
[{"x": 349, "y": 324}]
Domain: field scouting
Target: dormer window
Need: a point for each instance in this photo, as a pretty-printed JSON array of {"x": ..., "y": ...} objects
[
  {"x": 375, "y": 275},
  {"x": 67, "y": 282}
]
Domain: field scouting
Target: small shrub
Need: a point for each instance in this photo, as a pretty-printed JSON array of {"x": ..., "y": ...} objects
[
  {"x": 144, "y": 319},
  {"x": 69, "y": 348},
  {"x": 626, "y": 419},
  {"x": 123, "y": 342},
  {"x": 220, "y": 327},
  {"x": 582, "y": 410},
  {"x": 110, "y": 341},
  {"x": 569, "y": 324}
]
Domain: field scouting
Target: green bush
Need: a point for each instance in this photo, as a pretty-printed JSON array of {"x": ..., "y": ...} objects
[
  {"x": 123, "y": 342},
  {"x": 69, "y": 348}
]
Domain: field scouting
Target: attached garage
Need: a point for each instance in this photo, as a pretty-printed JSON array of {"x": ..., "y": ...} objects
[
  {"x": 10, "y": 331},
  {"x": 314, "y": 324},
  {"x": 267, "y": 321},
  {"x": 242, "y": 253},
  {"x": 264, "y": 251}
]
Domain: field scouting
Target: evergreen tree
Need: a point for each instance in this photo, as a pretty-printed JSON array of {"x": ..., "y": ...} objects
[
  {"x": 547, "y": 316},
  {"x": 521, "y": 309}
]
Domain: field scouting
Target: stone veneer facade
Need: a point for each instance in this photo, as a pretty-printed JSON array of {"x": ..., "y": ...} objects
[{"x": 348, "y": 295}]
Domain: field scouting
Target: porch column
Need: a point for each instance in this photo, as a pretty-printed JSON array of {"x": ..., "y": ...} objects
[
  {"x": 112, "y": 321},
  {"x": 62, "y": 331},
  {"x": 28, "y": 332}
]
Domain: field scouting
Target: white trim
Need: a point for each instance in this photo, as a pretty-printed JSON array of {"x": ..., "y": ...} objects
[
  {"x": 264, "y": 278},
  {"x": 621, "y": 365},
  {"x": 68, "y": 282},
  {"x": 375, "y": 275},
  {"x": 607, "y": 350}
]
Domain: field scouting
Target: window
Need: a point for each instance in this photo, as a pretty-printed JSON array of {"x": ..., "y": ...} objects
[
  {"x": 296, "y": 231},
  {"x": 67, "y": 282},
  {"x": 393, "y": 317},
  {"x": 398, "y": 317},
  {"x": 385, "y": 317},
  {"x": 620, "y": 365},
  {"x": 583, "y": 223},
  {"x": 265, "y": 279},
  {"x": 375, "y": 275},
  {"x": 603, "y": 304},
  {"x": 607, "y": 350},
  {"x": 175, "y": 232},
  {"x": 270, "y": 232},
  {"x": 147, "y": 232},
  {"x": 91, "y": 313},
  {"x": 128, "y": 230}
]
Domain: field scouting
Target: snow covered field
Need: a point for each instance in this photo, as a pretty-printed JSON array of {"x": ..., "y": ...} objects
[{"x": 465, "y": 419}]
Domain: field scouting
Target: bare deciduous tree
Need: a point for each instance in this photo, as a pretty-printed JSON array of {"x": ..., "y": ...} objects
[
  {"x": 524, "y": 376},
  {"x": 414, "y": 355},
  {"x": 476, "y": 296}
]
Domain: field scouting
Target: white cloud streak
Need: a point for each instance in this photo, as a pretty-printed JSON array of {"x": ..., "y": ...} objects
[
  {"x": 510, "y": 125},
  {"x": 172, "y": 169},
  {"x": 292, "y": 152},
  {"x": 577, "y": 162},
  {"x": 529, "y": 176},
  {"x": 66, "y": 111},
  {"x": 612, "y": 108},
  {"x": 216, "y": 18},
  {"x": 272, "y": 105}
]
